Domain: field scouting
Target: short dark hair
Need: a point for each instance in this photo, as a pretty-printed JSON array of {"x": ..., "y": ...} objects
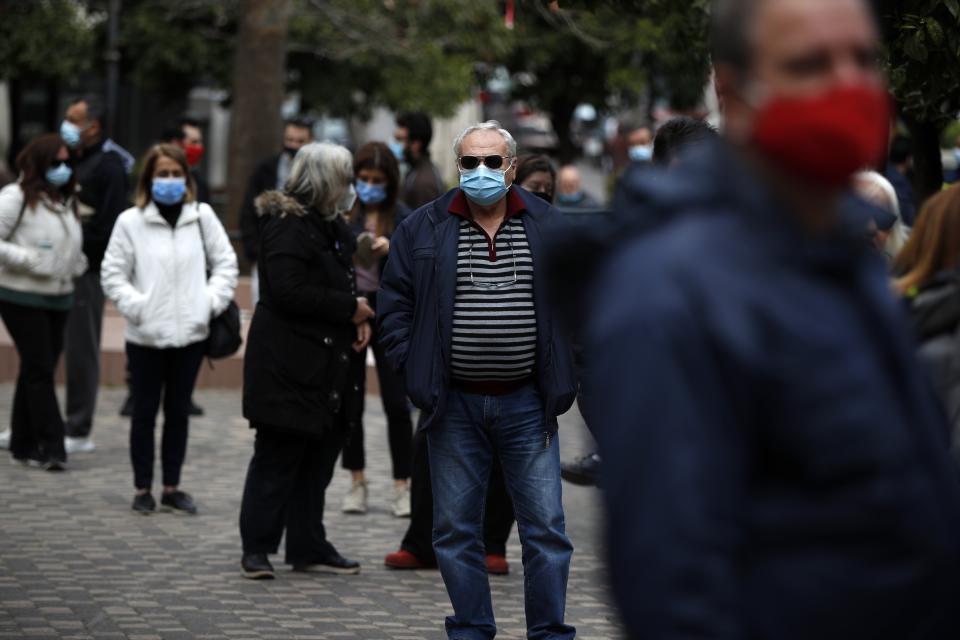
[
  {"x": 187, "y": 121},
  {"x": 96, "y": 108},
  {"x": 418, "y": 127},
  {"x": 530, "y": 164},
  {"x": 172, "y": 133},
  {"x": 901, "y": 149},
  {"x": 678, "y": 133},
  {"x": 729, "y": 34},
  {"x": 300, "y": 122}
]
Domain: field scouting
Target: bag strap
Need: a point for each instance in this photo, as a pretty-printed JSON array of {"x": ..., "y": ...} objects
[
  {"x": 203, "y": 241},
  {"x": 13, "y": 229}
]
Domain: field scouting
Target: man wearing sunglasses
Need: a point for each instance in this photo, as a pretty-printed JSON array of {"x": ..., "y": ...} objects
[{"x": 462, "y": 317}]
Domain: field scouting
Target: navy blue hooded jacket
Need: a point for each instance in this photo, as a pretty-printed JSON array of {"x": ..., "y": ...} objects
[
  {"x": 776, "y": 466},
  {"x": 416, "y": 298}
]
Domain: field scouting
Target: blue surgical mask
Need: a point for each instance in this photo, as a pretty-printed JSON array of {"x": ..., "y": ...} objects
[
  {"x": 168, "y": 191},
  {"x": 346, "y": 201},
  {"x": 482, "y": 185},
  {"x": 397, "y": 148},
  {"x": 570, "y": 198},
  {"x": 59, "y": 175},
  {"x": 371, "y": 193},
  {"x": 641, "y": 153},
  {"x": 70, "y": 134}
]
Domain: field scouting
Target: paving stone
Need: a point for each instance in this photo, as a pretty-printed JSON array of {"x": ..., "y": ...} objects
[{"x": 77, "y": 563}]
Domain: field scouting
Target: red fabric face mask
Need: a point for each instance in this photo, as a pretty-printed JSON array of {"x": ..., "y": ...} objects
[
  {"x": 194, "y": 154},
  {"x": 826, "y": 139}
]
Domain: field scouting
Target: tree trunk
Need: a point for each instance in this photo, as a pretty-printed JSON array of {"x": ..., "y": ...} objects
[
  {"x": 927, "y": 167},
  {"x": 561, "y": 113},
  {"x": 258, "y": 88}
]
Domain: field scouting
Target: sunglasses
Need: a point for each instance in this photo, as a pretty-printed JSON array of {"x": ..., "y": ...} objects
[{"x": 468, "y": 163}]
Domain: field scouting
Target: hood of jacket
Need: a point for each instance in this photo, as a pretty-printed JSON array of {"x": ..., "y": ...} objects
[{"x": 279, "y": 204}]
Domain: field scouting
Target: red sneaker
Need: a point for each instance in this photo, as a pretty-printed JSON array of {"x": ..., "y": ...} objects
[
  {"x": 403, "y": 559},
  {"x": 497, "y": 565}
]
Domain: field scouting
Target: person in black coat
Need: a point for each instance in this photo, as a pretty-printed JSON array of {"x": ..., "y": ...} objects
[
  {"x": 299, "y": 389},
  {"x": 271, "y": 173}
]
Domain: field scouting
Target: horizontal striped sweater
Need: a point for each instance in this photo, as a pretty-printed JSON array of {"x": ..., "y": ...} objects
[{"x": 494, "y": 317}]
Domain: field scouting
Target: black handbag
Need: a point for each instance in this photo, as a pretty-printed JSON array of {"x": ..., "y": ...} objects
[{"x": 224, "y": 339}]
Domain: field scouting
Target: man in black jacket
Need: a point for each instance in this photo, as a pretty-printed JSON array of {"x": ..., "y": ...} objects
[
  {"x": 270, "y": 174},
  {"x": 422, "y": 182},
  {"x": 101, "y": 169}
]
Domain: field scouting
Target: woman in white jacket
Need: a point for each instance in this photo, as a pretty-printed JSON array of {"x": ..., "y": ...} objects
[
  {"x": 40, "y": 254},
  {"x": 169, "y": 268}
]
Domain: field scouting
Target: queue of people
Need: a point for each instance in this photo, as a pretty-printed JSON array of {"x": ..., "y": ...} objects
[{"x": 762, "y": 337}]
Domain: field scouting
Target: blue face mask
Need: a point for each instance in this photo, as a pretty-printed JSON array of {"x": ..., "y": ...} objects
[
  {"x": 59, "y": 175},
  {"x": 168, "y": 191},
  {"x": 482, "y": 185},
  {"x": 70, "y": 134},
  {"x": 397, "y": 148},
  {"x": 371, "y": 193},
  {"x": 641, "y": 153},
  {"x": 570, "y": 198}
]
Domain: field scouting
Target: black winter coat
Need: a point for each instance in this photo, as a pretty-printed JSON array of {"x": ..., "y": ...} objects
[
  {"x": 299, "y": 368},
  {"x": 936, "y": 316}
]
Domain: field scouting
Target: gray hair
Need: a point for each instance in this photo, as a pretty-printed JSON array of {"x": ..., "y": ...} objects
[
  {"x": 321, "y": 173},
  {"x": 489, "y": 125},
  {"x": 875, "y": 188}
]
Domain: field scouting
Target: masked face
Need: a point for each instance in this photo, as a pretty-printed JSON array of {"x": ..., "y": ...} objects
[
  {"x": 346, "y": 201},
  {"x": 813, "y": 96},
  {"x": 59, "y": 174},
  {"x": 482, "y": 184}
]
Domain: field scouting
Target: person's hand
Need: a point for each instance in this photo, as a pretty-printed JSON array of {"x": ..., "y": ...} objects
[
  {"x": 363, "y": 337},
  {"x": 363, "y": 312},
  {"x": 380, "y": 246}
]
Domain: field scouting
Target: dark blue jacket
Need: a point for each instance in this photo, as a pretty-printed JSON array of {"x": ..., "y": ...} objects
[
  {"x": 776, "y": 466},
  {"x": 416, "y": 298}
]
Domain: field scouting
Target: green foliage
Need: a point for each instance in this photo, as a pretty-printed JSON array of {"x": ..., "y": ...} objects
[
  {"x": 171, "y": 45},
  {"x": 46, "y": 38},
  {"x": 349, "y": 55},
  {"x": 617, "y": 48},
  {"x": 923, "y": 57}
]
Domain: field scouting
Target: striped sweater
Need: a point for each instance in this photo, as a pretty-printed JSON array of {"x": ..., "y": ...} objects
[{"x": 494, "y": 318}]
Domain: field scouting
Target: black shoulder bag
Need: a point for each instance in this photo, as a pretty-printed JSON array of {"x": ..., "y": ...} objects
[{"x": 224, "y": 339}]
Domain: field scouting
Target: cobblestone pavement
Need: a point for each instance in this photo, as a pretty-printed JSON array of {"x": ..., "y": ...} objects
[{"x": 75, "y": 562}]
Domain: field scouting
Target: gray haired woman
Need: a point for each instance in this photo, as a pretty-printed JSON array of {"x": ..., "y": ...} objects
[{"x": 302, "y": 356}]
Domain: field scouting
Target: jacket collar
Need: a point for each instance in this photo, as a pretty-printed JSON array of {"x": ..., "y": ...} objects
[{"x": 189, "y": 213}]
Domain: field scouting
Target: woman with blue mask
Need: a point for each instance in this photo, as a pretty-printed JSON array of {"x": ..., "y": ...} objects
[
  {"x": 40, "y": 255},
  {"x": 374, "y": 217},
  {"x": 169, "y": 269}
]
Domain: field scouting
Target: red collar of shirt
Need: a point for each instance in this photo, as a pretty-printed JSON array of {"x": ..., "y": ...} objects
[{"x": 459, "y": 206}]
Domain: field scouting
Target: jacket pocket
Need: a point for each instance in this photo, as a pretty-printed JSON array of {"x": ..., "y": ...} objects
[{"x": 419, "y": 372}]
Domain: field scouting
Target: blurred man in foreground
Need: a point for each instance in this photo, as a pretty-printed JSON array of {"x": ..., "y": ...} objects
[{"x": 775, "y": 466}]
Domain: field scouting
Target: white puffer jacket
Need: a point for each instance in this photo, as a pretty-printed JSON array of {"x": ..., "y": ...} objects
[
  {"x": 45, "y": 252},
  {"x": 157, "y": 276}
]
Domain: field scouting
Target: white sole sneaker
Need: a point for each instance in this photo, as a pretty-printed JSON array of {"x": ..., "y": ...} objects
[
  {"x": 401, "y": 502},
  {"x": 5, "y": 439},
  {"x": 79, "y": 445},
  {"x": 356, "y": 499}
]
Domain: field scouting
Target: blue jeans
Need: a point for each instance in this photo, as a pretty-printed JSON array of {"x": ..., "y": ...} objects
[{"x": 462, "y": 445}]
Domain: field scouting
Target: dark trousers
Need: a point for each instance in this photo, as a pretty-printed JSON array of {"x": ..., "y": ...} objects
[
  {"x": 394, "y": 397},
  {"x": 498, "y": 515},
  {"x": 286, "y": 482},
  {"x": 171, "y": 374},
  {"x": 82, "y": 355},
  {"x": 36, "y": 427}
]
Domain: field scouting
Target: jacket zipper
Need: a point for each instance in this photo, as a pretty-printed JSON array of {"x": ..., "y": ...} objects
[{"x": 176, "y": 283}]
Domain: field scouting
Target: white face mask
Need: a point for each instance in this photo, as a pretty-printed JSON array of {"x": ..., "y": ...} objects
[{"x": 346, "y": 201}]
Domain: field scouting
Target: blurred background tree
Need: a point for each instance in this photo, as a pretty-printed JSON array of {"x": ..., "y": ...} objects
[
  {"x": 923, "y": 57},
  {"x": 29, "y": 29}
]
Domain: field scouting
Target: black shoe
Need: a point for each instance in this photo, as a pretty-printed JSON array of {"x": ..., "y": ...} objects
[
  {"x": 53, "y": 464},
  {"x": 582, "y": 471},
  {"x": 256, "y": 566},
  {"x": 144, "y": 503},
  {"x": 127, "y": 409},
  {"x": 195, "y": 409},
  {"x": 335, "y": 563},
  {"x": 178, "y": 502}
]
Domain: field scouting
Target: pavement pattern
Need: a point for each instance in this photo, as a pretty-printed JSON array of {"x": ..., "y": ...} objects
[{"x": 77, "y": 563}]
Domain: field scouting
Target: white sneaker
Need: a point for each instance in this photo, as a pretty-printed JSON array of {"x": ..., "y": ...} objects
[
  {"x": 78, "y": 445},
  {"x": 356, "y": 500},
  {"x": 5, "y": 439},
  {"x": 401, "y": 501}
]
